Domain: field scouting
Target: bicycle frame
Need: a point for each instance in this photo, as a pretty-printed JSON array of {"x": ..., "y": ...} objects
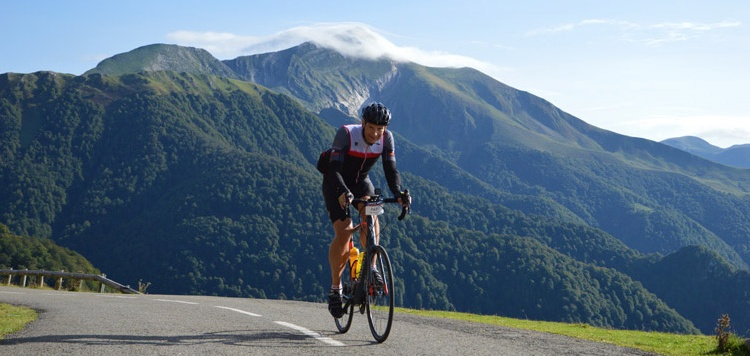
[{"x": 373, "y": 207}]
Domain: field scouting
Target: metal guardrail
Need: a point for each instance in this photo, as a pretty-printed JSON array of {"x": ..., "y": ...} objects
[{"x": 61, "y": 275}]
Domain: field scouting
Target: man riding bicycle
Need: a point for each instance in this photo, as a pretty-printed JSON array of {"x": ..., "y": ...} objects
[{"x": 354, "y": 151}]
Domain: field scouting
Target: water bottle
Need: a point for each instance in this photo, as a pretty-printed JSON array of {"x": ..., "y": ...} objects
[{"x": 353, "y": 259}]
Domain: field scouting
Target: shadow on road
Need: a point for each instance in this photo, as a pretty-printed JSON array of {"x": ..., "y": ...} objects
[{"x": 239, "y": 337}]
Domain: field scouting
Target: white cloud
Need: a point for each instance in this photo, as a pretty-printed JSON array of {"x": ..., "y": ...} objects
[
  {"x": 220, "y": 44},
  {"x": 691, "y": 26},
  {"x": 352, "y": 39},
  {"x": 678, "y": 31},
  {"x": 651, "y": 34},
  {"x": 583, "y": 23}
]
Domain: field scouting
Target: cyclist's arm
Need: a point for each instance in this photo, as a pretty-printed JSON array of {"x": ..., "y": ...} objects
[
  {"x": 340, "y": 147},
  {"x": 392, "y": 175}
]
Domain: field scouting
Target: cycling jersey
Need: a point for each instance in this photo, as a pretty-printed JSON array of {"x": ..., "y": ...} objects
[{"x": 352, "y": 158}]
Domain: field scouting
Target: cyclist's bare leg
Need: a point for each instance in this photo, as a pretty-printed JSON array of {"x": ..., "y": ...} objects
[{"x": 338, "y": 251}]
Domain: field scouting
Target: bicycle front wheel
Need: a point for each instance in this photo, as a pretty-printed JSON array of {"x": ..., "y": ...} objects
[{"x": 380, "y": 295}]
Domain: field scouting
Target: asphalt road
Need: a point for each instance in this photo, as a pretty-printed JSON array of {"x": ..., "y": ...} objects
[{"x": 116, "y": 324}]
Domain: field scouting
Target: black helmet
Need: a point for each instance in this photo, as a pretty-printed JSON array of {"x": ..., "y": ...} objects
[{"x": 376, "y": 113}]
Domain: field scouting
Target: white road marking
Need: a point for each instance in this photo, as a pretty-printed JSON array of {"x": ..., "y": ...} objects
[
  {"x": 311, "y": 333},
  {"x": 175, "y": 301},
  {"x": 239, "y": 311},
  {"x": 114, "y": 296}
]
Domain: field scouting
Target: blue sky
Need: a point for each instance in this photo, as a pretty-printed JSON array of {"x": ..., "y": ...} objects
[{"x": 652, "y": 69}]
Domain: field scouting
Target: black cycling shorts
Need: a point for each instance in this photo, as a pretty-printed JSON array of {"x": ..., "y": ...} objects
[{"x": 331, "y": 196}]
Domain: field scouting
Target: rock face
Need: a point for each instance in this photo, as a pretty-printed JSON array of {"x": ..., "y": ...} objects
[{"x": 305, "y": 73}]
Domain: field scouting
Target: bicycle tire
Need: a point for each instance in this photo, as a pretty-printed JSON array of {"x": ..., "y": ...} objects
[
  {"x": 345, "y": 321},
  {"x": 379, "y": 299}
]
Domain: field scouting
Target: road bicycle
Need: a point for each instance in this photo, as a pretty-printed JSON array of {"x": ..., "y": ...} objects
[{"x": 365, "y": 291}]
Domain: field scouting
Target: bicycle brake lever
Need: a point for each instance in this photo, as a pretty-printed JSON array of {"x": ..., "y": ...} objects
[{"x": 404, "y": 211}]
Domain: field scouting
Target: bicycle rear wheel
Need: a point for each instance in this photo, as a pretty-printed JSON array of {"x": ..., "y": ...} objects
[
  {"x": 380, "y": 296},
  {"x": 345, "y": 321}
]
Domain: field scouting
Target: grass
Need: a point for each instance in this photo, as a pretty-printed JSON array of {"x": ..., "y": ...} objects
[
  {"x": 13, "y": 319},
  {"x": 656, "y": 342}
]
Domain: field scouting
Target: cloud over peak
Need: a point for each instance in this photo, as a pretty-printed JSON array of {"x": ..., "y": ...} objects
[
  {"x": 351, "y": 39},
  {"x": 348, "y": 38}
]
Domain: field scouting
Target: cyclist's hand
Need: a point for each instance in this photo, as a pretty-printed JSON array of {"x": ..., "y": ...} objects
[
  {"x": 345, "y": 198},
  {"x": 405, "y": 199}
]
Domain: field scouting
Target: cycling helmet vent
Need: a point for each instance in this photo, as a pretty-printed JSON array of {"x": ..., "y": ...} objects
[{"x": 376, "y": 113}]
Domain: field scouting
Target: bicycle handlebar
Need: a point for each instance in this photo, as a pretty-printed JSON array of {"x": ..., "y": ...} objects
[{"x": 377, "y": 198}]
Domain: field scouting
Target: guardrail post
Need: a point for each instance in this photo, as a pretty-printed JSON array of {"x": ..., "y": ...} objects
[
  {"x": 23, "y": 284},
  {"x": 60, "y": 281},
  {"x": 10, "y": 276},
  {"x": 101, "y": 284},
  {"x": 41, "y": 281}
]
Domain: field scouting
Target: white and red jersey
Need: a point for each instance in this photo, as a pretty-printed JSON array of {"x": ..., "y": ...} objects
[{"x": 353, "y": 158}]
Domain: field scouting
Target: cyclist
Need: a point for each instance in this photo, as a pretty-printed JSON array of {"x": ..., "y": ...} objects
[{"x": 354, "y": 151}]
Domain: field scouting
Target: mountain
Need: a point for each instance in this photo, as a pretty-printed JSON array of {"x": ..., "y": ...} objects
[
  {"x": 163, "y": 57},
  {"x": 737, "y": 155},
  {"x": 203, "y": 183}
]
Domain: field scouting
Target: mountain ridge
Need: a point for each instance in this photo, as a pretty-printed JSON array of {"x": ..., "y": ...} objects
[
  {"x": 158, "y": 57},
  {"x": 736, "y": 155}
]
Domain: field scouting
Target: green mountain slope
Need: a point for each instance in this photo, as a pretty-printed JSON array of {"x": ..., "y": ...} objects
[{"x": 697, "y": 271}]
